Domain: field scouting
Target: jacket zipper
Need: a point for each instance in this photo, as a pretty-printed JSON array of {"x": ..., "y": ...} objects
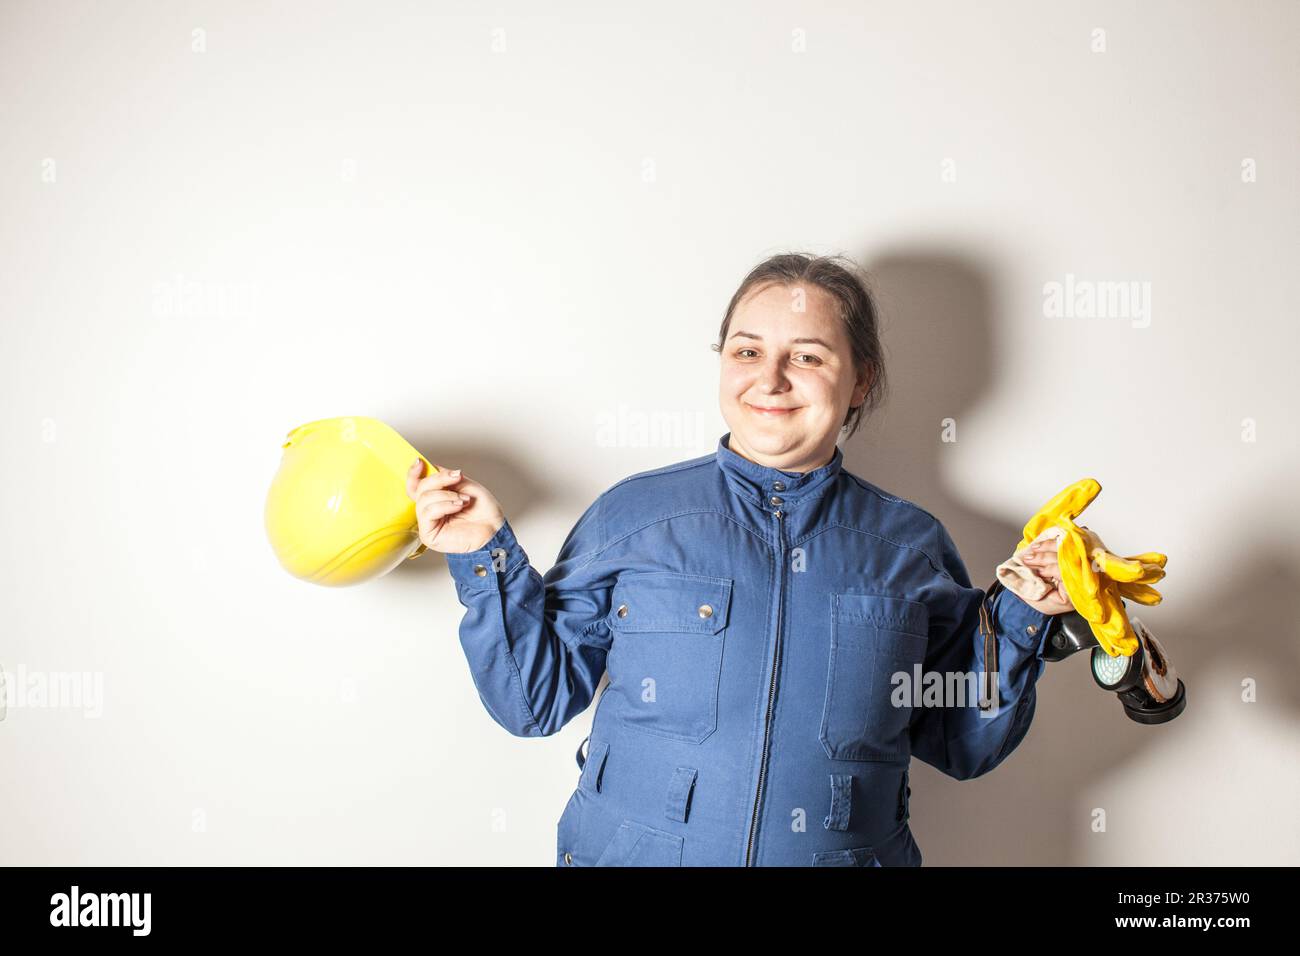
[{"x": 771, "y": 690}]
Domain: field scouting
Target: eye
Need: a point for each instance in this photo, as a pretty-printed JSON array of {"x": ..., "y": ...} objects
[
  {"x": 807, "y": 355},
  {"x": 740, "y": 353}
]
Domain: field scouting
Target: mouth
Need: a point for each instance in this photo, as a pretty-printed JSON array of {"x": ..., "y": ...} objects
[{"x": 772, "y": 411}]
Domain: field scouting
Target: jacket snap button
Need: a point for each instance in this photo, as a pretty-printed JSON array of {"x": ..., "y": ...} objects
[
  {"x": 568, "y": 858},
  {"x": 774, "y": 500},
  {"x": 706, "y": 611},
  {"x": 480, "y": 570},
  {"x": 1032, "y": 629},
  {"x": 778, "y": 485},
  {"x": 622, "y": 610}
]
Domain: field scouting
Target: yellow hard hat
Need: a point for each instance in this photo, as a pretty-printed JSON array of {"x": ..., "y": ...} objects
[{"x": 338, "y": 512}]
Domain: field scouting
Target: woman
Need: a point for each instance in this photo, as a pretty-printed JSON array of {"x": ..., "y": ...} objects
[{"x": 766, "y": 617}]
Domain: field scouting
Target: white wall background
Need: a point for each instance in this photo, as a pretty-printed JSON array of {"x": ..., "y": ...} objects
[{"x": 497, "y": 230}]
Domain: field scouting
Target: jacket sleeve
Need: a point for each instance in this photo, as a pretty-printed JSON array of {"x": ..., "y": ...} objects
[
  {"x": 961, "y": 738},
  {"x": 536, "y": 645}
]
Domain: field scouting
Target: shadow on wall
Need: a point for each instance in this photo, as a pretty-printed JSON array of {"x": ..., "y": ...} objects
[
  {"x": 941, "y": 347},
  {"x": 1034, "y": 809}
]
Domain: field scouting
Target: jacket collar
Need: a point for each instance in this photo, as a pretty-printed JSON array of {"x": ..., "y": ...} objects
[{"x": 760, "y": 483}]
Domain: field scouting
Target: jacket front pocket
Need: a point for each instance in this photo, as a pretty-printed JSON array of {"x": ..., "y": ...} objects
[
  {"x": 873, "y": 637},
  {"x": 635, "y": 844},
  {"x": 666, "y": 654}
]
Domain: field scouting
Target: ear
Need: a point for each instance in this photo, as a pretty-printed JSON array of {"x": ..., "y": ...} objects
[{"x": 865, "y": 378}]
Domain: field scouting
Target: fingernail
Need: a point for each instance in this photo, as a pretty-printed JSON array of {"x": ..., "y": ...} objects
[
  {"x": 454, "y": 474},
  {"x": 464, "y": 497}
]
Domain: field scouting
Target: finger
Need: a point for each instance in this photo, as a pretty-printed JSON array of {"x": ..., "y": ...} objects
[
  {"x": 1142, "y": 593},
  {"x": 442, "y": 478},
  {"x": 440, "y": 508},
  {"x": 413, "y": 476},
  {"x": 1074, "y": 570},
  {"x": 1050, "y": 574},
  {"x": 438, "y": 494},
  {"x": 1117, "y": 568},
  {"x": 435, "y": 516},
  {"x": 1049, "y": 568},
  {"x": 1065, "y": 504}
]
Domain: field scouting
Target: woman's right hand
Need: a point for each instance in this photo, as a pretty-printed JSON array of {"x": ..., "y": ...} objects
[{"x": 456, "y": 514}]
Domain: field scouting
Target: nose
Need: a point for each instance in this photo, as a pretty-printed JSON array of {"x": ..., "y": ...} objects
[{"x": 772, "y": 376}]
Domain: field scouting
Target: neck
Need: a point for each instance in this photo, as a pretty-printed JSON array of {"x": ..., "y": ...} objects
[{"x": 800, "y": 463}]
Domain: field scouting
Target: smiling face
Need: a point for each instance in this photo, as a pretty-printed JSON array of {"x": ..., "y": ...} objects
[{"x": 787, "y": 378}]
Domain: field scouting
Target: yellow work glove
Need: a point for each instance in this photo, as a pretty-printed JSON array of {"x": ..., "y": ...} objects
[{"x": 1094, "y": 577}]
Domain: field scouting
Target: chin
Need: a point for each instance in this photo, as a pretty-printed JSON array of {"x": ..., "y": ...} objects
[{"x": 768, "y": 437}]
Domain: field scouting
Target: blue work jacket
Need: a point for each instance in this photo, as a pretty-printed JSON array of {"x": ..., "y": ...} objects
[{"x": 757, "y": 626}]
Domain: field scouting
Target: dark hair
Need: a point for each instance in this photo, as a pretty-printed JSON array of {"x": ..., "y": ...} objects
[{"x": 847, "y": 284}]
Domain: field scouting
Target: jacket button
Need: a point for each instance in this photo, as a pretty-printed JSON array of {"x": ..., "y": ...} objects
[
  {"x": 568, "y": 858},
  {"x": 706, "y": 611},
  {"x": 480, "y": 570},
  {"x": 774, "y": 500},
  {"x": 1032, "y": 629},
  {"x": 622, "y": 610},
  {"x": 778, "y": 485}
]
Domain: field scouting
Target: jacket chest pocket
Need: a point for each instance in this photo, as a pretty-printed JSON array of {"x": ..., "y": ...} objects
[
  {"x": 873, "y": 637},
  {"x": 666, "y": 654}
]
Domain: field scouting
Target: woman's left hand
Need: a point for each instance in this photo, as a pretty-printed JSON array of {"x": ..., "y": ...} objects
[{"x": 1040, "y": 557}]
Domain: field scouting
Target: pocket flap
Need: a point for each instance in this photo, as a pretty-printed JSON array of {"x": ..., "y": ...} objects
[
  {"x": 635, "y": 844},
  {"x": 857, "y": 856},
  {"x": 593, "y": 768},
  {"x": 670, "y": 601},
  {"x": 679, "y": 793},
  {"x": 890, "y": 613}
]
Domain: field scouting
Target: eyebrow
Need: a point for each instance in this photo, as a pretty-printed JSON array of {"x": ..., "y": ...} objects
[{"x": 750, "y": 335}]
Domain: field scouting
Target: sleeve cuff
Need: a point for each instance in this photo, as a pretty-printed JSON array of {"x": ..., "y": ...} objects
[
  {"x": 1023, "y": 625},
  {"x": 485, "y": 568}
]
